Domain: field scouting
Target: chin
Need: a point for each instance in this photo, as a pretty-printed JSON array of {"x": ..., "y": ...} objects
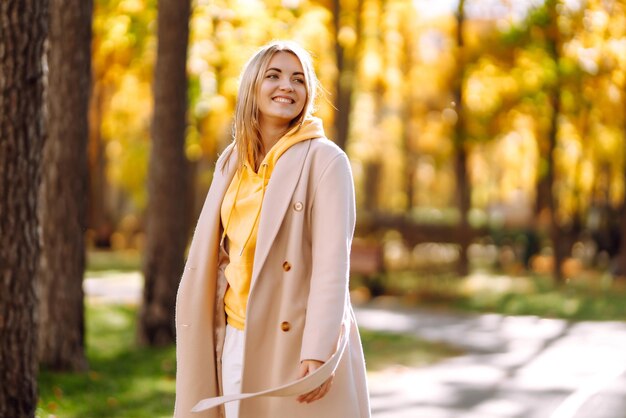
[{"x": 286, "y": 119}]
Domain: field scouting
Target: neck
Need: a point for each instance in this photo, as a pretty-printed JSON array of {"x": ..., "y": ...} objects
[{"x": 270, "y": 134}]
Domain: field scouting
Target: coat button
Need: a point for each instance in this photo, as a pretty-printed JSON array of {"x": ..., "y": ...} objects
[
  {"x": 298, "y": 206},
  {"x": 285, "y": 326},
  {"x": 286, "y": 266}
]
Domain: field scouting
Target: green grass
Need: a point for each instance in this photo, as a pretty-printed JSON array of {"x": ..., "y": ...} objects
[
  {"x": 106, "y": 261},
  {"x": 596, "y": 298},
  {"x": 125, "y": 381},
  {"x": 384, "y": 350},
  {"x": 573, "y": 301}
]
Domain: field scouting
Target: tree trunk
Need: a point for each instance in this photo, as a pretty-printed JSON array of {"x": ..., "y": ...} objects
[
  {"x": 345, "y": 61},
  {"x": 559, "y": 248},
  {"x": 99, "y": 217},
  {"x": 23, "y": 30},
  {"x": 166, "y": 218},
  {"x": 460, "y": 161},
  {"x": 372, "y": 174},
  {"x": 621, "y": 256},
  {"x": 64, "y": 188},
  {"x": 408, "y": 135}
]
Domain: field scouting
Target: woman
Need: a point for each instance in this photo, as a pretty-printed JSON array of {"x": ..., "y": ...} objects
[{"x": 263, "y": 306}]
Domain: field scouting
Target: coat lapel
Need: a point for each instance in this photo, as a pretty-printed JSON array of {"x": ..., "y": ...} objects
[{"x": 278, "y": 195}]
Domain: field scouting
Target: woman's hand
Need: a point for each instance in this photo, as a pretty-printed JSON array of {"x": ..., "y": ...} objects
[{"x": 307, "y": 367}]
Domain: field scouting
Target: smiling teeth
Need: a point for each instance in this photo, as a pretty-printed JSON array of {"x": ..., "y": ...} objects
[{"x": 282, "y": 100}]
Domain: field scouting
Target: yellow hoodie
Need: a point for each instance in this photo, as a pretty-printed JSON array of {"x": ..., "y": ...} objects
[{"x": 240, "y": 212}]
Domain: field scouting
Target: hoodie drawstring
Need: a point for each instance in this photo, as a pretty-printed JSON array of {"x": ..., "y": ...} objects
[
  {"x": 258, "y": 213},
  {"x": 232, "y": 208}
]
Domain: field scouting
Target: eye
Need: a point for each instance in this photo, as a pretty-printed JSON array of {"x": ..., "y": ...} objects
[
  {"x": 299, "y": 80},
  {"x": 272, "y": 76}
]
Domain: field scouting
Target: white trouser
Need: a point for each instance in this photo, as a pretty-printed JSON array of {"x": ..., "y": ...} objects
[{"x": 232, "y": 362}]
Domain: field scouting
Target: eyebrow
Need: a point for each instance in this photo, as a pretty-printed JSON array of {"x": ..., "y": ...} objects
[{"x": 280, "y": 71}]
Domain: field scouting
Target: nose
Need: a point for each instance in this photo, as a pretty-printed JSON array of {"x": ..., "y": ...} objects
[{"x": 286, "y": 85}]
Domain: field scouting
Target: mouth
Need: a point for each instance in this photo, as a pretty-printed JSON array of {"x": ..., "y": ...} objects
[{"x": 281, "y": 99}]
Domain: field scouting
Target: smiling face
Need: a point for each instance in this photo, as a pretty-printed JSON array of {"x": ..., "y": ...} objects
[{"x": 282, "y": 92}]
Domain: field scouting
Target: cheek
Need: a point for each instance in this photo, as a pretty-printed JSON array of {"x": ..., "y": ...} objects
[
  {"x": 302, "y": 93},
  {"x": 302, "y": 104},
  {"x": 263, "y": 88}
]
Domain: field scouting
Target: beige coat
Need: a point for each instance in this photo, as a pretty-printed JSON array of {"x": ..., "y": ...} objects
[{"x": 298, "y": 303}]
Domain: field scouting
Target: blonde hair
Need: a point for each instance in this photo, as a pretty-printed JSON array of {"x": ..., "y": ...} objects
[{"x": 246, "y": 129}]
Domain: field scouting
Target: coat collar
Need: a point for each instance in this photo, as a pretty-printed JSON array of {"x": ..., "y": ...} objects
[
  {"x": 209, "y": 219},
  {"x": 222, "y": 179}
]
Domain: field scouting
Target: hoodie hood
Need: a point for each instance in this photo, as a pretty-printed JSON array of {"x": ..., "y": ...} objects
[{"x": 310, "y": 128}]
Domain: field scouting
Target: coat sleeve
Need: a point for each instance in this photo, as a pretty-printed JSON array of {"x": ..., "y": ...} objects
[{"x": 332, "y": 227}]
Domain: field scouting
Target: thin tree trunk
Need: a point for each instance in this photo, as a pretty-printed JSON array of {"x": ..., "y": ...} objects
[
  {"x": 64, "y": 188},
  {"x": 99, "y": 218},
  {"x": 621, "y": 257},
  {"x": 23, "y": 31},
  {"x": 559, "y": 250},
  {"x": 373, "y": 170},
  {"x": 346, "y": 66},
  {"x": 460, "y": 161},
  {"x": 408, "y": 135},
  {"x": 166, "y": 229}
]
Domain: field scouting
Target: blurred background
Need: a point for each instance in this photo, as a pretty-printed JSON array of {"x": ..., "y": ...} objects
[
  {"x": 494, "y": 126},
  {"x": 487, "y": 140}
]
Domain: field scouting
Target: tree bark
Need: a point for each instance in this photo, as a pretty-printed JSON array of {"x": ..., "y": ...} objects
[
  {"x": 64, "y": 188},
  {"x": 23, "y": 31},
  {"x": 460, "y": 159},
  {"x": 167, "y": 226}
]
